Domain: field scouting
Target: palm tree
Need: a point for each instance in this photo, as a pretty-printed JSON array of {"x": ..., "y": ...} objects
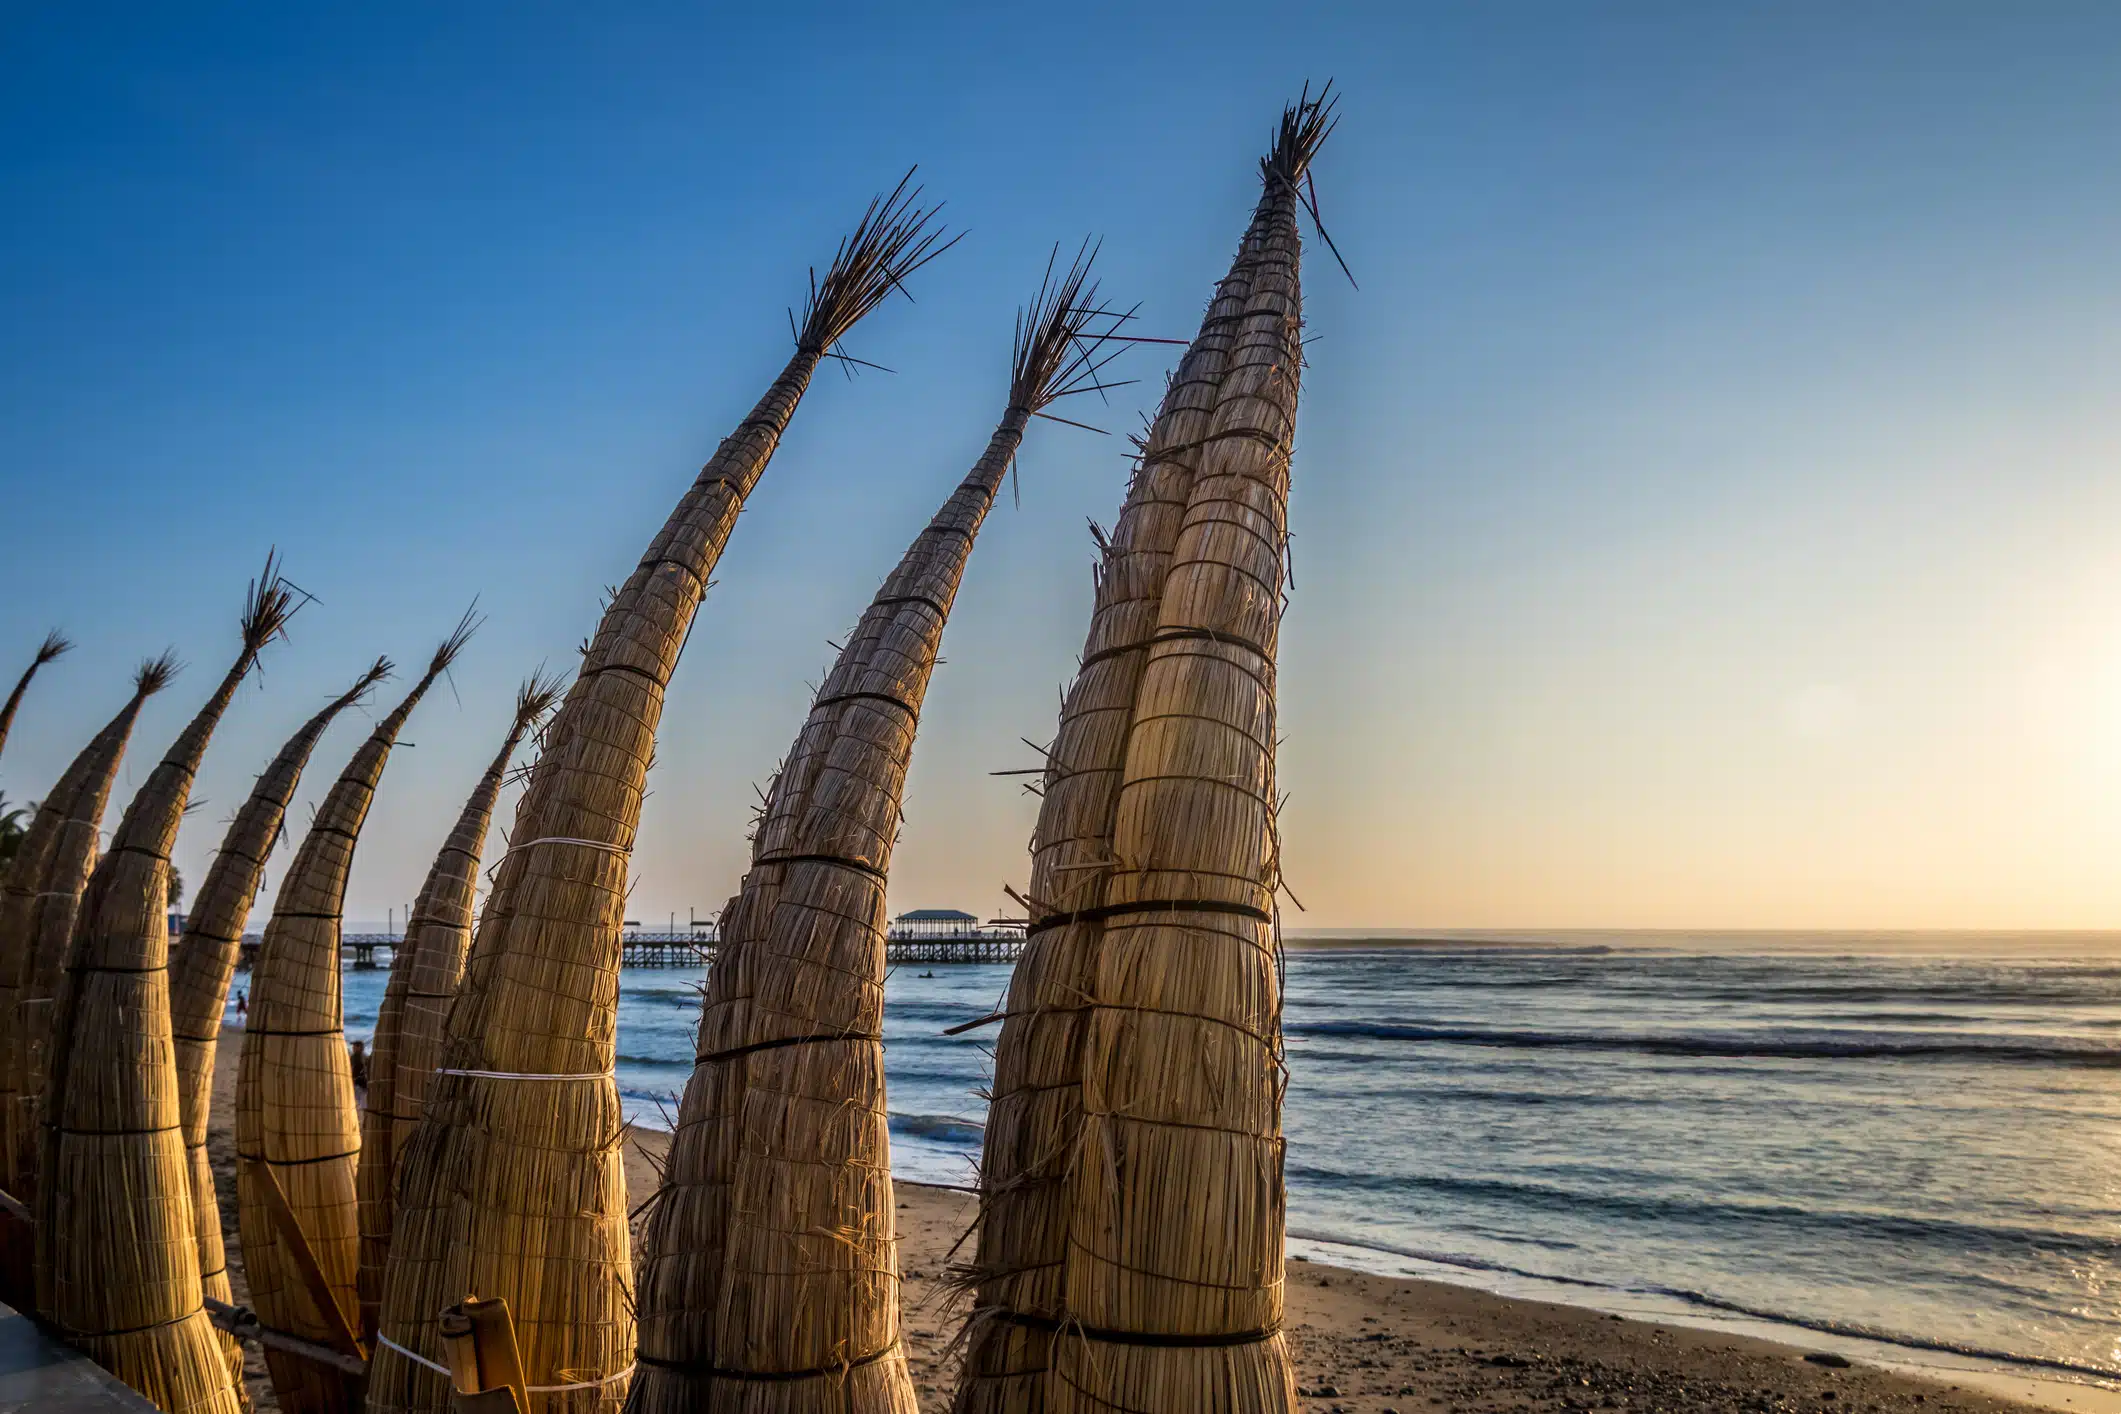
[{"x": 11, "y": 830}]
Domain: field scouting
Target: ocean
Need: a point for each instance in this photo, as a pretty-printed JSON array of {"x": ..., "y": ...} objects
[{"x": 1909, "y": 1142}]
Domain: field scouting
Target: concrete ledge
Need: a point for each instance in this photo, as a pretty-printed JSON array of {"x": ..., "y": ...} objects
[{"x": 40, "y": 1374}]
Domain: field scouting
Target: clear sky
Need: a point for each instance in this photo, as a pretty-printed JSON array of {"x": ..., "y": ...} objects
[{"x": 1707, "y": 509}]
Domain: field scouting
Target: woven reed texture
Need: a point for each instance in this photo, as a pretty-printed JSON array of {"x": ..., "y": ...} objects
[
  {"x": 294, "y": 1087},
  {"x": 1035, "y": 1107},
  {"x": 41, "y": 922},
  {"x": 49, "y": 827},
  {"x": 18, "y": 894},
  {"x": 424, "y": 972},
  {"x": 203, "y": 963},
  {"x": 772, "y": 1282},
  {"x": 1173, "y": 1274},
  {"x": 117, "y": 1256},
  {"x": 53, "y": 645},
  {"x": 1130, "y": 1238},
  {"x": 513, "y": 1187}
]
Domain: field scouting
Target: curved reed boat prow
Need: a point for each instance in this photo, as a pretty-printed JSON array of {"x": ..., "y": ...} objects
[
  {"x": 772, "y": 1276},
  {"x": 1130, "y": 1243},
  {"x": 297, "y": 1131},
  {"x": 512, "y": 1185},
  {"x": 117, "y": 1264}
]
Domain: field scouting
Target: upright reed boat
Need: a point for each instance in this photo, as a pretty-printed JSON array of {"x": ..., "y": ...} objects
[
  {"x": 772, "y": 1277},
  {"x": 512, "y": 1186},
  {"x": 117, "y": 1258},
  {"x": 203, "y": 964},
  {"x": 298, "y": 1136},
  {"x": 1130, "y": 1247},
  {"x": 424, "y": 972}
]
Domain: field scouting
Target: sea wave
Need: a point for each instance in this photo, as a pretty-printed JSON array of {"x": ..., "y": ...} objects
[
  {"x": 1665, "y": 1209},
  {"x": 948, "y": 1129},
  {"x": 1784, "y": 1044}
]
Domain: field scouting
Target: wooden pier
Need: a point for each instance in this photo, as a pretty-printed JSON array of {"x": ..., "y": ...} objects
[{"x": 929, "y": 937}]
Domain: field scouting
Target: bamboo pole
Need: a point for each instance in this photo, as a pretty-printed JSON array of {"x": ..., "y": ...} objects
[
  {"x": 424, "y": 971},
  {"x": 295, "y": 1116},
  {"x": 204, "y": 962},
  {"x": 53, "y": 645},
  {"x": 117, "y": 1264},
  {"x": 512, "y": 1185},
  {"x": 772, "y": 1281},
  {"x": 40, "y": 919}
]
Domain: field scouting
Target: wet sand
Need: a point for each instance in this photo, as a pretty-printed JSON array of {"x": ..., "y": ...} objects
[{"x": 1373, "y": 1343}]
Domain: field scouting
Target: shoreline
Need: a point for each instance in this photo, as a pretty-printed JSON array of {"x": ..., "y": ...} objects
[{"x": 1366, "y": 1342}]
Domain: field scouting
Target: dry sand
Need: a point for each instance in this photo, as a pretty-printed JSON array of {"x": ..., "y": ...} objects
[{"x": 1367, "y": 1343}]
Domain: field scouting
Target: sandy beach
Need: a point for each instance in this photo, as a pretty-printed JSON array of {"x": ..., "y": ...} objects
[{"x": 1364, "y": 1343}]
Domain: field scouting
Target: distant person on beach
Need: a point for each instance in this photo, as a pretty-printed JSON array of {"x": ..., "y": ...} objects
[
  {"x": 357, "y": 1052},
  {"x": 242, "y": 1003}
]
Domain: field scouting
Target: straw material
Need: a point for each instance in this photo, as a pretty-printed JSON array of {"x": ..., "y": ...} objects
[
  {"x": 512, "y": 1185},
  {"x": 117, "y": 1263},
  {"x": 772, "y": 1283},
  {"x": 38, "y": 919},
  {"x": 1130, "y": 1239},
  {"x": 54, "y": 833},
  {"x": 1035, "y": 1105},
  {"x": 1173, "y": 1276},
  {"x": 204, "y": 961},
  {"x": 295, "y": 1120},
  {"x": 18, "y": 895},
  {"x": 424, "y": 972},
  {"x": 53, "y": 645}
]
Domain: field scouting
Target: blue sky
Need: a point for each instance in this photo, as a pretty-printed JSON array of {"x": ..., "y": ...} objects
[{"x": 1705, "y": 511}]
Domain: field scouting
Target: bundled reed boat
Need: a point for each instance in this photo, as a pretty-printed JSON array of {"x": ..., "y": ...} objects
[
  {"x": 117, "y": 1260},
  {"x": 1131, "y": 1229},
  {"x": 54, "y": 644},
  {"x": 298, "y": 1135},
  {"x": 512, "y": 1185},
  {"x": 37, "y": 912},
  {"x": 424, "y": 971},
  {"x": 772, "y": 1278},
  {"x": 204, "y": 962}
]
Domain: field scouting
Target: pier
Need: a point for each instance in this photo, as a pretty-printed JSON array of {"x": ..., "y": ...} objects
[{"x": 926, "y": 937}]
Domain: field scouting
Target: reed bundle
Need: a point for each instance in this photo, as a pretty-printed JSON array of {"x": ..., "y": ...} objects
[
  {"x": 1035, "y": 1104},
  {"x": 772, "y": 1282},
  {"x": 53, "y": 645},
  {"x": 1130, "y": 1240},
  {"x": 1173, "y": 1283},
  {"x": 512, "y": 1185},
  {"x": 25, "y": 875},
  {"x": 117, "y": 1260},
  {"x": 424, "y": 972},
  {"x": 54, "y": 833},
  {"x": 37, "y": 917},
  {"x": 204, "y": 961},
  {"x": 297, "y": 1133}
]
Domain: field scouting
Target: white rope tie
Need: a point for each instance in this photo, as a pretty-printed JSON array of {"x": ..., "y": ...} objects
[
  {"x": 414, "y": 1356},
  {"x": 568, "y": 839},
  {"x": 580, "y": 1384},
  {"x": 444, "y": 1370}
]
